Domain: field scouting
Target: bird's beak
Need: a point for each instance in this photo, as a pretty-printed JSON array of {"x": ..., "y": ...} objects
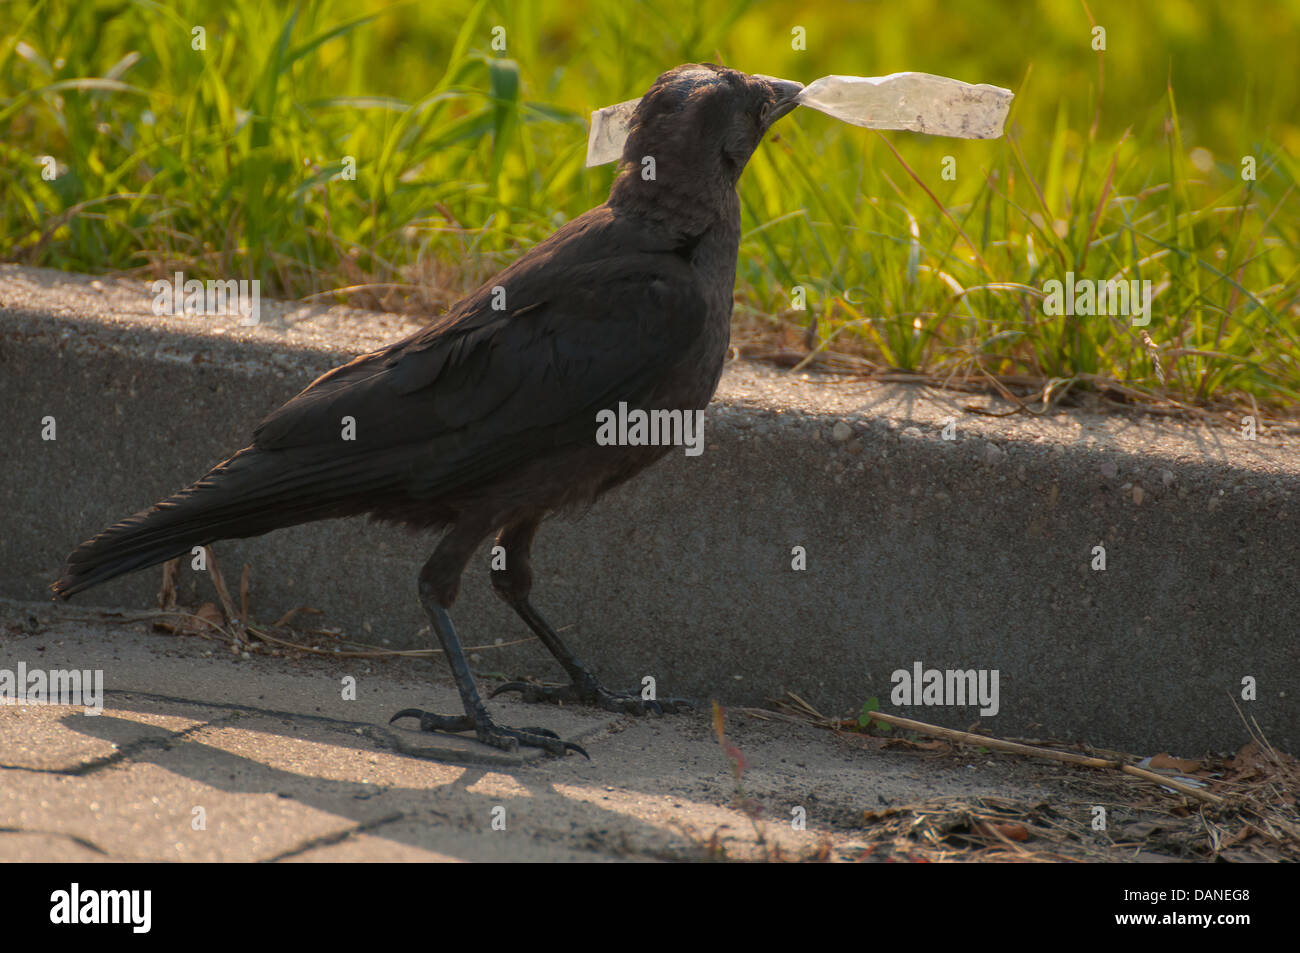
[{"x": 787, "y": 97}]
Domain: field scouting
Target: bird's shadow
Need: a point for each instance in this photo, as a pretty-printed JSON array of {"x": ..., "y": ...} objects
[{"x": 409, "y": 815}]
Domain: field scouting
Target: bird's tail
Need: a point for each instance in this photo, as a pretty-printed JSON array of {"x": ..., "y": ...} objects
[{"x": 249, "y": 494}]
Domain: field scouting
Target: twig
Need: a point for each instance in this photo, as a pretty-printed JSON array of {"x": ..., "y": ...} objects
[
  {"x": 966, "y": 737},
  {"x": 167, "y": 593},
  {"x": 245, "y": 593},
  {"x": 1013, "y": 747},
  {"x": 227, "y": 604}
]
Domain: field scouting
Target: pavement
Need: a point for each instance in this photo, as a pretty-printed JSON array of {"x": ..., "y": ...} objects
[{"x": 204, "y": 755}]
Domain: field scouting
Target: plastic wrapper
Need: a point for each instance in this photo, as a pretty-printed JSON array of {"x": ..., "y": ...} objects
[{"x": 915, "y": 102}]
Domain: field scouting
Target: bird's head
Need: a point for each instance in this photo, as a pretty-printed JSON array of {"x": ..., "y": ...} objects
[{"x": 693, "y": 132}]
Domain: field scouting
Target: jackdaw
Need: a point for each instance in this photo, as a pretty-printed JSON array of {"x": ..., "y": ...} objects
[{"x": 485, "y": 421}]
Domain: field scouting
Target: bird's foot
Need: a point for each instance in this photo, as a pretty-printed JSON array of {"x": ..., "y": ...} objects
[
  {"x": 595, "y": 695},
  {"x": 490, "y": 733}
]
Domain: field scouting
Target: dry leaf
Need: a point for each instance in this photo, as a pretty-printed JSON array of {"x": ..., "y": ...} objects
[
  {"x": 1011, "y": 831},
  {"x": 1167, "y": 762},
  {"x": 207, "y": 613}
]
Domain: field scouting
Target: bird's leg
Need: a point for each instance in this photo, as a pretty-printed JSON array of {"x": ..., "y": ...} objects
[
  {"x": 513, "y": 584},
  {"x": 439, "y": 584},
  {"x": 583, "y": 687}
]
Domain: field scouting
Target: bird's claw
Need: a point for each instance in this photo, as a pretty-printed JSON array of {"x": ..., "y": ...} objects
[
  {"x": 595, "y": 696},
  {"x": 490, "y": 733}
]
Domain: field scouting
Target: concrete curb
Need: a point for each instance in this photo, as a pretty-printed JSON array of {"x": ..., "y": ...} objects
[{"x": 973, "y": 552}]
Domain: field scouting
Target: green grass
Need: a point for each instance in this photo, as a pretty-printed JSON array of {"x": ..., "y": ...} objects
[{"x": 225, "y": 162}]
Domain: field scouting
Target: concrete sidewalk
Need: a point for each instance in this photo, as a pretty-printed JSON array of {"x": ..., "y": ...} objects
[
  {"x": 974, "y": 552},
  {"x": 266, "y": 754}
]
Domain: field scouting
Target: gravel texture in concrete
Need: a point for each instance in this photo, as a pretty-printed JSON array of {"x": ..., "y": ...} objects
[
  {"x": 200, "y": 755},
  {"x": 834, "y": 532}
]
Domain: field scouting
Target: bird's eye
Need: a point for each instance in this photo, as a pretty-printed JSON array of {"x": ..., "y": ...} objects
[{"x": 764, "y": 112}]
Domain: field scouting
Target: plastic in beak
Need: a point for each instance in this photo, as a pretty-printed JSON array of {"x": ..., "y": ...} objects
[{"x": 609, "y": 125}]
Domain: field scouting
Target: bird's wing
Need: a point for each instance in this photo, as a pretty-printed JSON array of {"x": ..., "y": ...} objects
[{"x": 487, "y": 390}]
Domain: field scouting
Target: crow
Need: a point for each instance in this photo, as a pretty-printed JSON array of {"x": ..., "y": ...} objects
[{"x": 485, "y": 420}]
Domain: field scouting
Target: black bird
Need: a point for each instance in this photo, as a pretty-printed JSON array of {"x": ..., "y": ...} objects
[{"x": 485, "y": 421}]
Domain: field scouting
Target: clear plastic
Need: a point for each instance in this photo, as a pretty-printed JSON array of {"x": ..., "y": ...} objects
[
  {"x": 609, "y": 132},
  {"x": 916, "y": 102}
]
